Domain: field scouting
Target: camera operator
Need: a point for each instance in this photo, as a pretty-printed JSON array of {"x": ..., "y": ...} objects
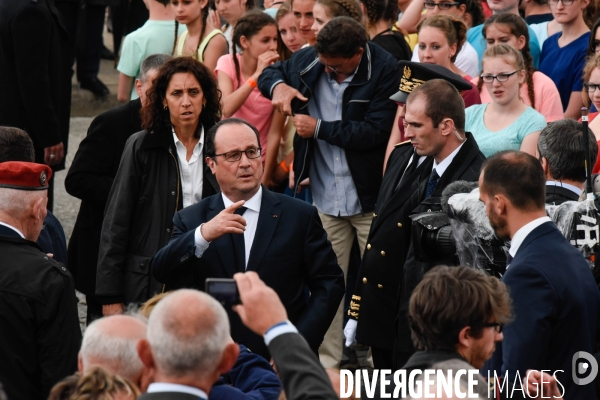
[
  {"x": 439, "y": 152},
  {"x": 561, "y": 150}
]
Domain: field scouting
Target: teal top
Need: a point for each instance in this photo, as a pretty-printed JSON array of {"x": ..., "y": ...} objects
[
  {"x": 509, "y": 138},
  {"x": 154, "y": 37}
]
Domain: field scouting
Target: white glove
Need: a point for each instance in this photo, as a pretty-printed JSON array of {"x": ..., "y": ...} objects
[{"x": 350, "y": 332}]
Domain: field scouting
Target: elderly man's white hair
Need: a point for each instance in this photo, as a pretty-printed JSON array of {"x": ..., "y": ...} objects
[
  {"x": 188, "y": 331},
  {"x": 16, "y": 202},
  {"x": 111, "y": 342}
]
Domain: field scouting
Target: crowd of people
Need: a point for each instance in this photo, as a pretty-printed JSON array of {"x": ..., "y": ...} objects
[{"x": 295, "y": 147}]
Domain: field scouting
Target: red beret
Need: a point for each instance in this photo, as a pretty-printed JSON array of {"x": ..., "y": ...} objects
[{"x": 24, "y": 175}]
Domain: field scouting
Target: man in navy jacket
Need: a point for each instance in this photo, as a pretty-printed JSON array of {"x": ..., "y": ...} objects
[
  {"x": 556, "y": 302},
  {"x": 338, "y": 94},
  {"x": 248, "y": 228}
]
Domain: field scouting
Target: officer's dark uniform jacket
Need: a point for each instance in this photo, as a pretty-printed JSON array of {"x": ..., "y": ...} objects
[
  {"x": 39, "y": 327},
  {"x": 386, "y": 275}
]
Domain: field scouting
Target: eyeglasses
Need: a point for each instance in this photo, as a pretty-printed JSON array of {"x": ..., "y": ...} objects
[
  {"x": 497, "y": 326},
  {"x": 233, "y": 156},
  {"x": 565, "y": 2},
  {"x": 591, "y": 87},
  {"x": 499, "y": 77},
  {"x": 334, "y": 70},
  {"x": 430, "y": 5}
]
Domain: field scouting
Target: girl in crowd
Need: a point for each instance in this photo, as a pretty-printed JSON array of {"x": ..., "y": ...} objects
[
  {"x": 278, "y": 159},
  {"x": 563, "y": 54},
  {"x": 379, "y": 17},
  {"x": 594, "y": 43},
  {"x": 440, "y": 39},
  {"x": 199, "y": 41},
  {"x": 256, "y": 34},
  {"x": 506, "y": 123},
  {"x": 159, "y": 174},
  {"x": 466, "y": 59},
  {"x": 591, "y": 96},
  {"x": 538, "y": 90},
  {"x": 231, "y": 11},
  {"x": 325, "y": 10}
]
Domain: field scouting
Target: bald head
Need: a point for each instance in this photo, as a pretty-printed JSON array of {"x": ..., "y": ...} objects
[
  {"x": 111, "y": 342},
  {"x": 188, "y": 331}
]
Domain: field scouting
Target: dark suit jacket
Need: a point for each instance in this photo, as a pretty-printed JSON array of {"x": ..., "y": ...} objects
[
  {"x": 557, "y": 195},
  {"x": 90, "y": 178},
  {"x": 169, "y": 396},
  {"x": 52, "y": 239},
  {"x": 301, "y": 373},
  {"x": 556, "y": 306},
  {"x": 383, "y": 273},
  {"x": 290, "y": 252},
  {"x": 35, "y": 73}
]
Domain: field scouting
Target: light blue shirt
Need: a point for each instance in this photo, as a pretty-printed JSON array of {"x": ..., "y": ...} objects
[
  {"x": 509, "y": 138},
  {"x": 331, "y": 183}
]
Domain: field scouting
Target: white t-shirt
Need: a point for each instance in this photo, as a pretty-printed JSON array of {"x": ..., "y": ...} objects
[{"x": 467, "y": 59}]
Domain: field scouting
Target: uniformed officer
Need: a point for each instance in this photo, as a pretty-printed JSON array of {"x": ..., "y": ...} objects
[
  {"x": 39, "y": 327},
  {"x": 434, "y": 146}
]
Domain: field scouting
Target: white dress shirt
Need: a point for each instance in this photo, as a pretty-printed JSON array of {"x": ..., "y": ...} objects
[
  {"x": 175, "y": 387},
  {"x": 191, "y": 171},
  {"x": 251, "y": 217},
  {"x": 443, "y": 166},
  {"x": 13, "y": 228},
  {"x": 572, "y": 188},
  {"x": 522, "y": 233}
]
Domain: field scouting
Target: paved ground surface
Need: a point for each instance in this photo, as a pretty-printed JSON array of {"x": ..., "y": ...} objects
[{"x": 84, "y": 107}]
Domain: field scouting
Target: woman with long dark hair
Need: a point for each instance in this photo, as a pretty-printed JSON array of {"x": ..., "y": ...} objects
[{"x": 162, "y": 170}]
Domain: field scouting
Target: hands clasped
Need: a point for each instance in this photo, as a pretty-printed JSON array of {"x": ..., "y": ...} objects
[{"x": 225, "y": 222}]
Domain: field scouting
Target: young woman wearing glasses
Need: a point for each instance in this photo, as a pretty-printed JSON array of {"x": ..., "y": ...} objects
[
  {"x": 591, "y": 95},
  {"x": 506, "y": 123},
  {"x": 594, "y": 44},
  {"x": 563, "y": 55}
]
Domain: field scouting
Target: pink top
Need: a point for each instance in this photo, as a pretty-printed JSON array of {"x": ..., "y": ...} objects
[
  {"x": 547, "y": 98},
  {"x": 256, "y": 110}
]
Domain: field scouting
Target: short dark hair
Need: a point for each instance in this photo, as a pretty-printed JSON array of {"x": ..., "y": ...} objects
[
  {"x": 451, "y": 298},
  {"x": 15, "y": 145},
  {"x": 153, "y": 62},
  {"x": 341, "y": 37},
  {"x": 518, "y": 176},
  {"x": 212, "y": 133},
  {"x": 443, "y": 101},
  {"x": 155, "y": 117},
  {"x": 561, "y": 143}
]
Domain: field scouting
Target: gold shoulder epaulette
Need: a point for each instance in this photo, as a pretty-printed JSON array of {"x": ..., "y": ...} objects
[{"x": 401, "y": 143}]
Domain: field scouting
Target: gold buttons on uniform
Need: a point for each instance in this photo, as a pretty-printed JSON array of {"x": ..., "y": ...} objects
[
  {"x": 364, "y": 280},
  {"x": 382, "y": 253},
  {"x": 374, "y": 215},
  {"x": 380, "y": 286},
  {"x": 399, "y": 224},
  {"x": 368, "y": 247}
]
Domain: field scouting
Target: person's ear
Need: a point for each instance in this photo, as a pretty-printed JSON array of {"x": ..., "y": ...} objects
[
  {"x": 521, "y": 41},
  {"x": 464, "y": 337},
  {"x": 545, "y": 165},
  {"x": 145, "y": 353},
  {"x": 211, "y": 164},
  {"x": 453, "y": 50},
  {"x": 244, "y": 42},
  {"x": 203, "y": 3},
  {"x": 360, "y": 52},
  {"x": 38, "y": 208},
  {"x": 462, "y": 9},
  {"x": 229, "y": 357},
  {"x": 500, "y": 204},
  {"x": 447, "y": 126},
  {"x": 79, "y": 363},
  {"x": 138, "y": 87}
]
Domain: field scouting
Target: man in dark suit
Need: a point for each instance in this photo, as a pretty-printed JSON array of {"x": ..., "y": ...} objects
[
  {"x": 91, "y": 176},
  {"x": 555, "y": 299},
  {"x": 35, "y": 77},
  {"x": 38, "y": 308},
  {"x": 561, "y": 150},
  {"x": 277, "y": 236},
  {"x": 434, "y": 123}
]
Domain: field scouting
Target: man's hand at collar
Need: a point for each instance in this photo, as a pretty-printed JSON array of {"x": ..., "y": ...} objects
[{"x": 283, "y": 95}]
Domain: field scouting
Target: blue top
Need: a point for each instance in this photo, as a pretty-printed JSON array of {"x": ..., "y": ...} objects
[
  {"x": 331, "y": 182},
  {"x": 475, "y": 37},
  {"x": 564, "y": 65},
  {"x": 509, "y": 138}
]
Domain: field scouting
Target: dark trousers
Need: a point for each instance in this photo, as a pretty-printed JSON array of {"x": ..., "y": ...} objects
[
  {"x": 382, "y": 358},
  {"x": 89, "y": 42},
  {"x": 94, "y": 309}
]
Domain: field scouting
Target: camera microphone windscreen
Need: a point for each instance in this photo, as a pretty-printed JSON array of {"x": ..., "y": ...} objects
[{"x": 455, "y": 188}]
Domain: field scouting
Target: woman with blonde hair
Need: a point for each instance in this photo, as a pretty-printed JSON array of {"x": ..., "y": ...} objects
[{"x": 506, "y": 123}]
